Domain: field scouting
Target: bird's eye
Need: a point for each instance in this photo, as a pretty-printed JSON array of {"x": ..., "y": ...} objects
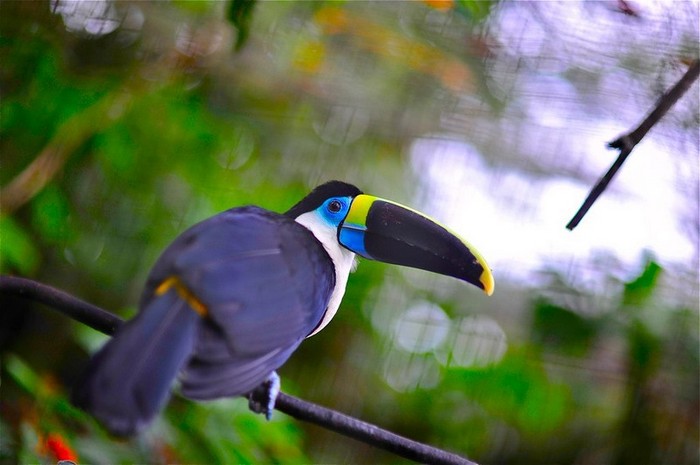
[{"x": 335, "y": 206}]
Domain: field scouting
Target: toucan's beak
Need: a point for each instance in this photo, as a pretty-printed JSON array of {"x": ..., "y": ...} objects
[{"x": 382, "y": 230}]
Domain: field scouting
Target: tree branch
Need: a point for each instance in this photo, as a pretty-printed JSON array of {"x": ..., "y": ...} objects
[
  {"x": 368, "y": 433},
  {"x": 65, "y": 303},
  {"x": 627, "y": 142}
]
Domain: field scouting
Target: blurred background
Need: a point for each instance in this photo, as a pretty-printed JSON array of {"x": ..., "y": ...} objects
[{"x": 123, "y": 123}]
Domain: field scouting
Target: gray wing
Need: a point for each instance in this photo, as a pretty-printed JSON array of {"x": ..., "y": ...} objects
[{"x": 265, "y": 282}]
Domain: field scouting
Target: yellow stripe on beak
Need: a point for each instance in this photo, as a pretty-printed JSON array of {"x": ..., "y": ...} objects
[{"x": 357, "y": 216}]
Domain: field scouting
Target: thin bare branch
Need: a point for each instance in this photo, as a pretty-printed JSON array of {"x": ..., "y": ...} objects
[{"x": 627, "y": 142}]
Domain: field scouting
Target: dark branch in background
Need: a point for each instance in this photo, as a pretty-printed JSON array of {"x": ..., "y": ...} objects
[
  {"x": 626, "y": 143},
  {"x": 107, "y": 323}
]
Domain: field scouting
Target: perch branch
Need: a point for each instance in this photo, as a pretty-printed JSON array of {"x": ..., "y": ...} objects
[
  {"x": 107, "y": 323},
  {"x": 627, "y": 142},
  {"x": 65, "y": 303}
]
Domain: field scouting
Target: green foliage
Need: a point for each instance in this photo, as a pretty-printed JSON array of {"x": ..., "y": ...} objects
[
  {"x": 22, "y": 374},
  {"x": 638, "y": 291},
  {"x": 226, "y": 432},
  {"x": 518, "y": 391},
  {"x": 644, "y": 347},
  {"x": 476, "y": 10},
  {"x": 17, "y": 249},
  {"x": 169, "y": 125},
  {"x": 562, "y": 329},
  {"x": 240, "y": 13},
  {"x": 215, "y": 432},
  {"x": 197, "y": 7},
  {"x": 50, "y": 215}
]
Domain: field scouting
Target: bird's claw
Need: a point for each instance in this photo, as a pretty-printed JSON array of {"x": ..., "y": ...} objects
[{"x": 262, "y": 398}]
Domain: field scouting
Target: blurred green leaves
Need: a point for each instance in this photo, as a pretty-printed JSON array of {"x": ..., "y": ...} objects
[
  {"x": 586, "y": 371},
  {"x": 50, "y": 215},
  {"x": 240, "y": 13},
  {"x": 517, "y": 390},
  {"x": 216, "y": 432},
  {"x": 639, "y": 290},
  {"x": 562, "y": 329},
  {"x": 160, "y": 125},
  {"x": 476, "y": 10},
  {"x": 225, "y": 431},
  {"x": 17, "y": 249}
]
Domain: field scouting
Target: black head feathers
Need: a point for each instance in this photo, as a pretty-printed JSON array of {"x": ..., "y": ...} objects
[{"x": 320, "y": 194}]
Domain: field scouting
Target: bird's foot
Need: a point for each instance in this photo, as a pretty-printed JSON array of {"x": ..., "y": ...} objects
[{"x": 262, "y": 398}]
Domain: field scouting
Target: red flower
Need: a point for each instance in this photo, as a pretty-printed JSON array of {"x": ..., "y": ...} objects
[{"x": 58, "y": 447}]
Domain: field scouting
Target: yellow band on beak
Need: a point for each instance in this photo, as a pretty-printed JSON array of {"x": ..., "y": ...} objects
[{"x": 357, "y": 216}]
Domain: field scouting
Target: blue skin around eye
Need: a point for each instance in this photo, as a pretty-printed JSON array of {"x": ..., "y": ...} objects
[
  {"x": 334, "y": 218},
  {"x": 350, "y": 238}
]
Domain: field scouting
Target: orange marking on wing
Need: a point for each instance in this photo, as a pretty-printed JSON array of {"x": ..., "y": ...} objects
[{"x": 173, "y": 282}]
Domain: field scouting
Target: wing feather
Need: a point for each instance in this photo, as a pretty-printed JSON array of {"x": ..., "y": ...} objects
[
  {"x": 265, "y": 281},
  {"x": 128, "y": 381}
]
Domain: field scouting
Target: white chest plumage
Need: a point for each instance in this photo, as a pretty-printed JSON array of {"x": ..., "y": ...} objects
[{"x": 343, "y": 261}]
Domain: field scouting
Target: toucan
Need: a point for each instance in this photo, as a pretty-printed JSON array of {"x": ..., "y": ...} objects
[{"x": 231, "y": 298}]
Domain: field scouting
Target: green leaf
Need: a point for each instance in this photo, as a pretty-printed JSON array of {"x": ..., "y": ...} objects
[
  {"x": 240, "y": 13},
  {"x": 22, "y": 373},
  {"x": 562, "y": 329},
  {"x": 639, "y": 290},
  {"x": 50, "y": 214},
  {"x": 517, "y": 390},
  {"x": 196, "y": 6},
  {"x": 17, "y": 250},
  {"x": 225, "y": 431},
  {"x": 644, "y": 348},
  {"x": 474, "y": 10}
]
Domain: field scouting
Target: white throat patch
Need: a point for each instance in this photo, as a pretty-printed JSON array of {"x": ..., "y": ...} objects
[{"x": 343, "y": 261}]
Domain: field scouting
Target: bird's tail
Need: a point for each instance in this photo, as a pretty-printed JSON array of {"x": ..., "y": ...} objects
[{"x": 128, "y": 381}]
